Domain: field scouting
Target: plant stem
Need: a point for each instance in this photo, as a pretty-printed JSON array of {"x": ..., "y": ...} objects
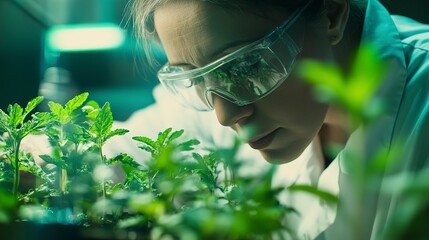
[
  {"x": 103, "y": 187},
  {"x": 100, "y": 145},
  {"x": 16, "y": 175},
  {"x": 63, "y": 179}
]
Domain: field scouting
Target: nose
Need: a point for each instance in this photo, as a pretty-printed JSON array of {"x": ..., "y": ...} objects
[{"x": 229, "y": 113}]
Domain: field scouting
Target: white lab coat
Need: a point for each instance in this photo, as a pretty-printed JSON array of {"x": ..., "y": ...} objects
[{"x": 404, "y": 44}]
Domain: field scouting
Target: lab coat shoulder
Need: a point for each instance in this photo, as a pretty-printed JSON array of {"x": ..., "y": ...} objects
[{"x": 412, "y": 125}]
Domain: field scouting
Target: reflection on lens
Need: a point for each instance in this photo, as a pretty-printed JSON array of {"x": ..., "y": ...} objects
[{"x": 248, "y": 78}]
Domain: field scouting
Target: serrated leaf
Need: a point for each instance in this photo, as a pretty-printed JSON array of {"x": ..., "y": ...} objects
[
  {"x": 32, "y": 105},
  {"x": 175, "y": 135},
  {"x": 36, "y": 124},
  {"x": 49, "y": 159},
  {"x": 124, "y": 159},
  {"x": 162, "y": 136},
  {"x": 103, "y": 121},
  {"x": 146, "y": 141},
  {"x": 32, "y": 126},
  {"x": 149, "y": 149},
  {"x": 4, "y": 122},
  {"x": 116, "y": 132},
  {"x": 43, "y": 116},
  {"x": 76, "y": 102},
  {"x": 188, "y": 145},
  {"x": 56, "y": 108},
  {"x": 15, "y": 115}
]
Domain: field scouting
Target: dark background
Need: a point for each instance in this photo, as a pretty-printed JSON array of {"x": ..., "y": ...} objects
[{"x": 111, "y": 75}]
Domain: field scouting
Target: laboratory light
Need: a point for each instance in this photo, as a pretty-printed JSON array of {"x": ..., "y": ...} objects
[{"x": 85, "y": 37}]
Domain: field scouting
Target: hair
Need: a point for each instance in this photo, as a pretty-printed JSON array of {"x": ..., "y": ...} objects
[{"x": 142, "y": 13}]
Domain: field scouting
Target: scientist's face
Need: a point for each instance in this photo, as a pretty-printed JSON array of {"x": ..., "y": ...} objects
[{"x": 280, "y": 125}]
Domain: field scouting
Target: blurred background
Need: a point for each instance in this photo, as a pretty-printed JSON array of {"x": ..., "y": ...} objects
[
  {"x": 38, "y": 58},
  {"x": 58, "y": 48}
]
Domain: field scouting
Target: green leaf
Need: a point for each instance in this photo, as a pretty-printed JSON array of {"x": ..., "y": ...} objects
[
  {"x": 56, "y": 108},
  {"x": 49, "y": 159},
  {"x": 188, "y": 145},
  {"x": 175, "y": 135},
  {"x": 36, "y": 124},
  {"x": 32, "y": 105},
  {"x": 355, "y": 92},
  {"x": 76, "y": 102},
  {"x": 152, "y": 144},
  {"x": 134, "y": 221},
  {"x": 328, "y": 197},
  {"x": 162, "y": 137},
  {"x": 30, "y": 127},
  {"x": 367, "y": 73},
  {"x": 116, "y": 132},
  {"x": 103, "y": 121},
  {"x": 4, "y": 122},
  {"x": 15, "y": 115},
  {"x": 92, "y": 109},
  {"x": 327, "y": 78},
  {"x": 124, "y": 159}
]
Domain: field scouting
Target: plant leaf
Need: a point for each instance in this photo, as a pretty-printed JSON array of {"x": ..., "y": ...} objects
[
  {"x": 4, "y": 122},
  {"x": 116, "y": 132},
  {"x": 175, "y": 135},
  {"x": 15, "y": 115},
  {"x": 327, "y": 78},
  {"x": 76, "y": 102},
  {"x": 56, "y": 109},
  {"x": 103, "y": 121},
  {"x": 188, "y": 145},
  {"x": 124, "y": 159},
  {"x": 152, "y": 144},
  {"x": 32, "y": 105},
  {"x": 162, "y": 137},
  {"x": 327, "y": 196},
  {"x": 49, "y": 159}
]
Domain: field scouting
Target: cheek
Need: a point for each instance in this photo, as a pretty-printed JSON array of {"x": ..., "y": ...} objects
[
  {"x": 294, "y": 106},
  {"x": 294, "y": 109}
]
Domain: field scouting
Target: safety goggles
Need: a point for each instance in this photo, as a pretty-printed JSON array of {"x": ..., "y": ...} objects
[{"x": 243, "y": 76}]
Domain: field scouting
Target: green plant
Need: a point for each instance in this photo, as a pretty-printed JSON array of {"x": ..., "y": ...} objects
[
  {"x": 180, "y": 190},
  {"x": 15, "y": 126},
  {"x": 370, "y": 176}
]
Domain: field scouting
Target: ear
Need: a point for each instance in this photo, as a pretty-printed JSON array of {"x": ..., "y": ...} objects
[{"x": 337, "y": 12}]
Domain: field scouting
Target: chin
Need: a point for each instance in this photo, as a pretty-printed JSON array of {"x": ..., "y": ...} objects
[
  {"x": 283, "y": 155},
  {"x": 280, "y": 157}
]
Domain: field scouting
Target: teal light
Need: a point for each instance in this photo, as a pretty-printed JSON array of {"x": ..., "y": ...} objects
[{"x": 85, "y": 37}]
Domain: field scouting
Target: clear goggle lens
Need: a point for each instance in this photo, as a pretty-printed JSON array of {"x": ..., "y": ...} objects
[{"x": 241, "y": 81}]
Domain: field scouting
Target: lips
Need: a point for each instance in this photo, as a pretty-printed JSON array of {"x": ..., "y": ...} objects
[{"x": 264, "y": 141}]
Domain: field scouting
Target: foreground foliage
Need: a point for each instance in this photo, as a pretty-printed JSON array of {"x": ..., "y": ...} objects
[{"x": 180, "y": 190}]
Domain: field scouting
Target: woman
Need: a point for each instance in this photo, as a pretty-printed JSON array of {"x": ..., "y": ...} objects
[{"x": 238, "y": 59}]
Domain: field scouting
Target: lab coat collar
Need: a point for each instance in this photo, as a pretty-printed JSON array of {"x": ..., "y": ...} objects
[
  {"x": 380, "y": 31},
  {"x": 367, "y": 141}
]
